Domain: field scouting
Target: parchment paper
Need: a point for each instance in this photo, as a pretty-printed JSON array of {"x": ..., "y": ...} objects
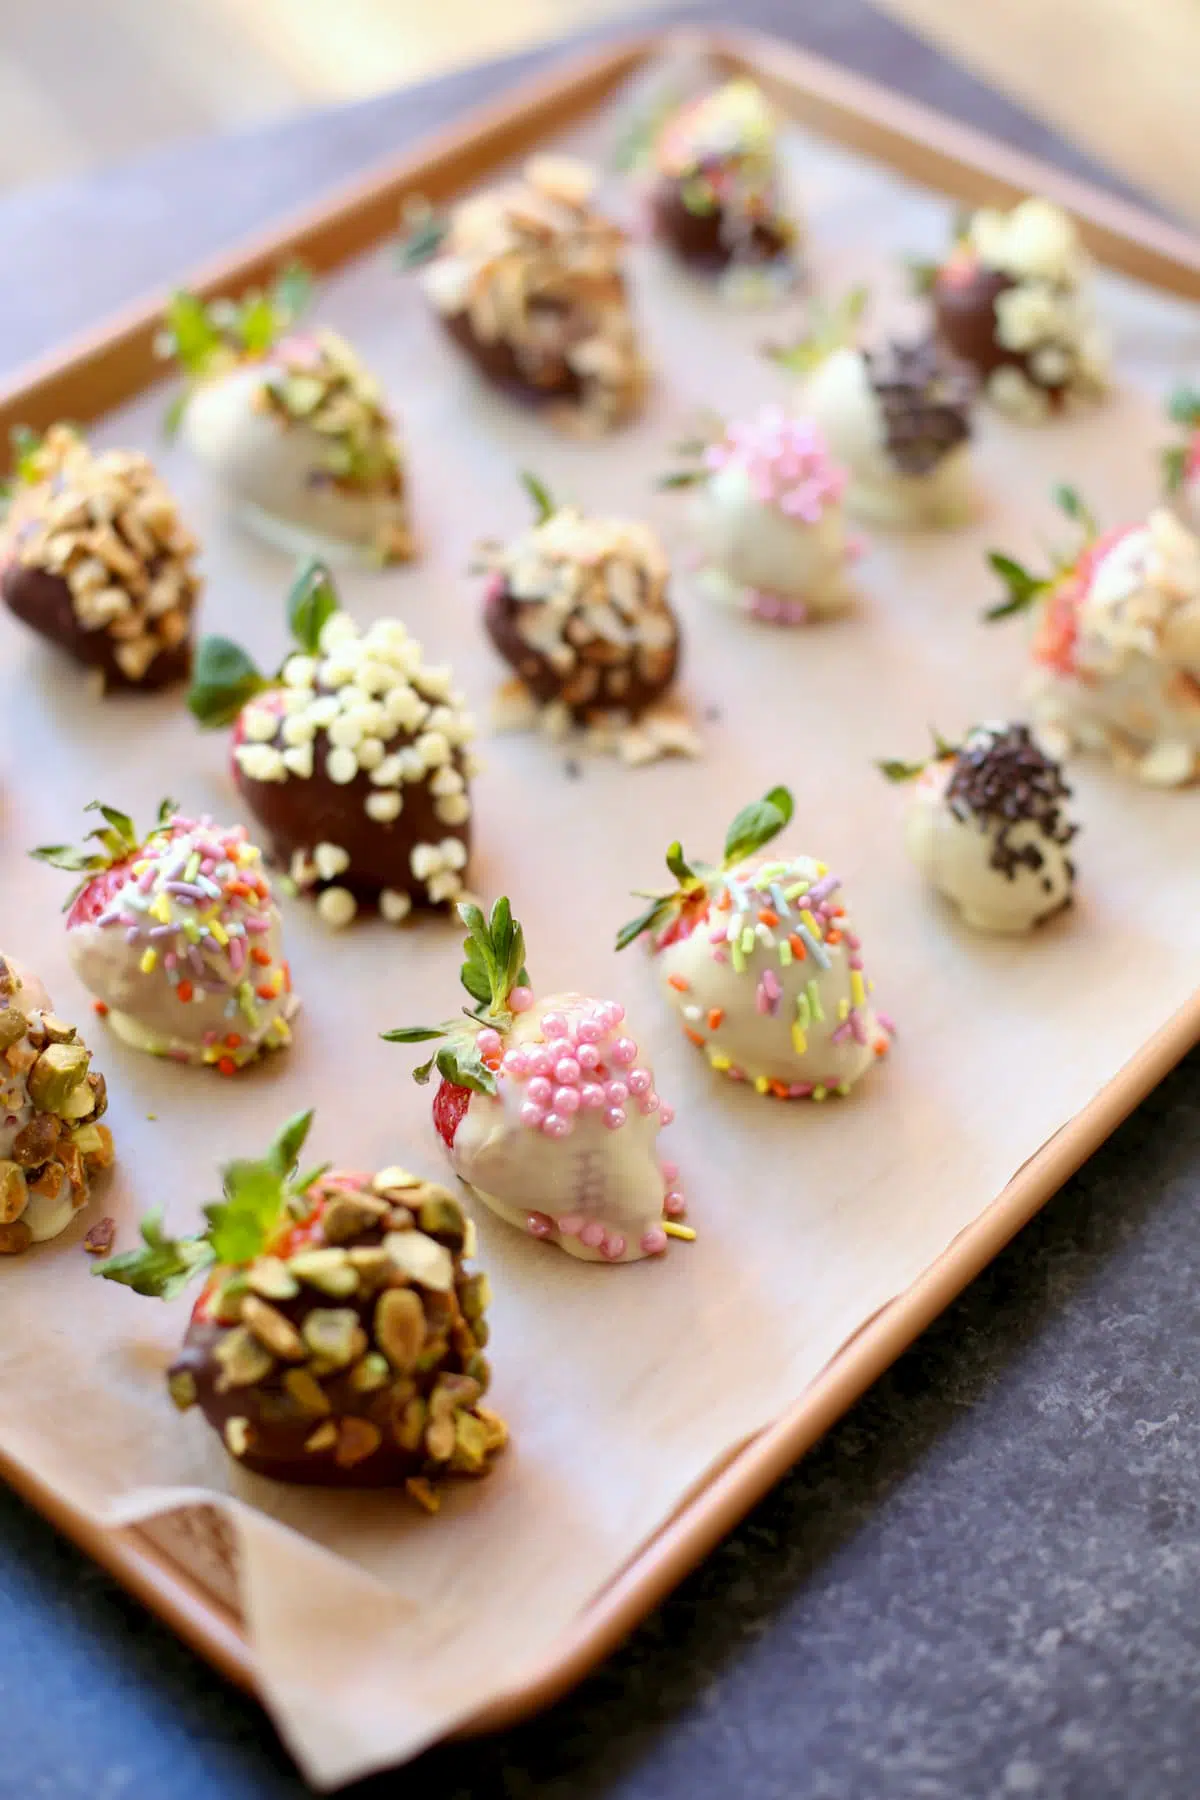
[{"x": 375, "y": 1629}]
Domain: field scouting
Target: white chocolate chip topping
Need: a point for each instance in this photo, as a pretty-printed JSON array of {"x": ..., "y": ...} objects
[{"x": 367, "y": 706}]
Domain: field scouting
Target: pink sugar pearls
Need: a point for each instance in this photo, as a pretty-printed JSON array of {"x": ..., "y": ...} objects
[
  {"x": 769, "y": 520},
  {"x": 547, "y": 1111}
]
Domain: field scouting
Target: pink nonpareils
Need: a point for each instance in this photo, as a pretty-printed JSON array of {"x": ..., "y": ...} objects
[
  {"x": 786, "y": 461},
  {"x": 581, "y": 1067}
]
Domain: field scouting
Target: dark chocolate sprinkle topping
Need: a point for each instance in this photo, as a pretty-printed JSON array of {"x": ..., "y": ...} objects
[
  {"x": 1002, "y": 777},
  {"x": 925, "y": 395}
]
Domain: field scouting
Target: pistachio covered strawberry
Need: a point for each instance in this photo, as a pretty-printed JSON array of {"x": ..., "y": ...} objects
[
  {"x": 95, "y": 558},
  {"x": 338, "y": 1339},
  {"x": 758, "y": 958},
  {"x": 51, "y": 1104},
  {"x": 1116, "y": 643},
  {"x": 290, "y": 423},
  {"x": 177, "y": 934},
  {"x": 546, "y": 1109},
  {"x": 353, "y": 757}
]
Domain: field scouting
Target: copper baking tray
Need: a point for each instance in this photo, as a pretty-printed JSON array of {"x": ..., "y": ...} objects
[{"x": 87, "y": 377}]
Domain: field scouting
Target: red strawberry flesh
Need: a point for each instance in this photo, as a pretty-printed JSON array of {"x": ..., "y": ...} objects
[
  {"x": 450, "y": 1104},
  {"x": 96, "y": 896}
]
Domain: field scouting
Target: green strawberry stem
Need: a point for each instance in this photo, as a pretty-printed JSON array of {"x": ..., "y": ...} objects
[
  {"x": 258, "y": 1196},
  {"x": 115, "y": 841},
  {"x": 493, "y": 965},
  {"x": 753, "y": 827},
  {"x": 225, "y": 678}
]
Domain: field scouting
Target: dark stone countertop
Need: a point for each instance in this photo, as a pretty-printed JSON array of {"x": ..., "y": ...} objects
[{"x": 981, "y": 1585}]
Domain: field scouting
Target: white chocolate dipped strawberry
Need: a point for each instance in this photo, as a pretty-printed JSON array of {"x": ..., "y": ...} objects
[
  {"x": 545, "y": 1109},
  {"x": 291, "y": 424},
  {"x": 768, "y": 518},
  {"x": 1116, "y": 644},
  {"x": 757, "y": 957},
  {"x": 988, "y": 826},
  {"x": 178, "y": 935}
]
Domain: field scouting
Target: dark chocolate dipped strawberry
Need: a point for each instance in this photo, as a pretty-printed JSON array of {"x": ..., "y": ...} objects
[
  {"x": 338, "y": 1340},
  {"x": 95, "y": 558},
  {"x": 527, "y": 279},
  {"x": 290, "y": 422},
  {"x": 713, "y": 184},
  {"x": 1116, "y": 643},
  {"x": 578, "y": 608},
  {"x": 177, "y": 934},
  {"x": 544, "y": 1108},
  {"x": 353, "y": 757},
  {"x": 1011, "y": 300}
]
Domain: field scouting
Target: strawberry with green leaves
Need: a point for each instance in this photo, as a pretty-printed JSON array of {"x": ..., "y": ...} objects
[
  {"x": 177, "y": 934},
  {"x": 1180, "y": 461},
  {"x": 757, "y": 957},
  {"x": 338, "y": 1338},
  {"x": 545, "y": 1107},
  {"x": 354, "y": 756},
  {"x": 290, "y": 422},
  {"x": 1116, "y": 643}
]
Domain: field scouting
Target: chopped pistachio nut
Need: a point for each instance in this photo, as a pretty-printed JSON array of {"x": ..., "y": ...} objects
[
  {"x": 400, "y": 1327},
  {"x": 357, "y": 1439},
  {"x": 347, "y": 1216},
  {"x": 422, "y": 1259},
  {"x": 330, "y": 1271},
  {"x": 14, "y": 1192},
  {"x": 181, "y": 1385},
  {"x": 13, "y": 1027},
  {"x": 371, "y": 1374},
  {"x": 239, "y": 1435},
  {"x": 271, "y": 1277},
  {"x": 243, "y": 1360},
  {"x": 272, "y": 1329},
  {"x": 332, "y": 1335},
  {"x": 323, "y": 1438},
  {"x": 307, "y": 1392}
]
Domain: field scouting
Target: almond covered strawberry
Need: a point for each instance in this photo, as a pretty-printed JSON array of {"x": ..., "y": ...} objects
[
  {"x": 95, "y": 558},
  {"x": 546, "y": 1109},
  {"x": 338, "y": 1340},
  {"x": 290, "y": 423},
  {"x": 354, "y": 757},
  {"x": 760, "y": 961},
  {"x": 178, "y": 936},
  {"x": 1116, "y": 644}
]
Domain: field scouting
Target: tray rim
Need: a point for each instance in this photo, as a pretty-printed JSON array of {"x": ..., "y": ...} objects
[{"x": 96, "y": 370}]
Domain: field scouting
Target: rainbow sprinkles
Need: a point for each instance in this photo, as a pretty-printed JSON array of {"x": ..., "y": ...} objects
[
  {"x": 179, "y": 938},
  {"x": 760, "y": 961}
]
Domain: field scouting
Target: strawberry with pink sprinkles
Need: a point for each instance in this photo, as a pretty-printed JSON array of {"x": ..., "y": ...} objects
[
  {"x": 769, "y": 518},
  {"x": 546, "y": 1108}
]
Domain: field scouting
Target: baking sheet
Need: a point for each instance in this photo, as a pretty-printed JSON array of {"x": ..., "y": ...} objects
[{"x": 376, "y": 1631}]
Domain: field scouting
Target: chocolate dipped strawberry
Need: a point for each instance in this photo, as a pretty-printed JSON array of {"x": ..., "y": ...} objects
[
  {"x": 1012, "y": 301},
  {"x": 95, "y": 558},
  {"x": 759, "y": 960},
  {"x": 546, "y": 1111},
  {"x": 178, "y": 936},
  {"x": 290, "y": 423},
  {"x": 353, "y": 757},
  {"x": 338, "y": 1340},
  {"x": 578, "y": 607},
  {"x": 713, "y": 185},
  {"x": 1116, "y": 644}
]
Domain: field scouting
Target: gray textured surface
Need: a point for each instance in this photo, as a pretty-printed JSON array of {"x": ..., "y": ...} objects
[{"x": 981, "y": 1585}]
